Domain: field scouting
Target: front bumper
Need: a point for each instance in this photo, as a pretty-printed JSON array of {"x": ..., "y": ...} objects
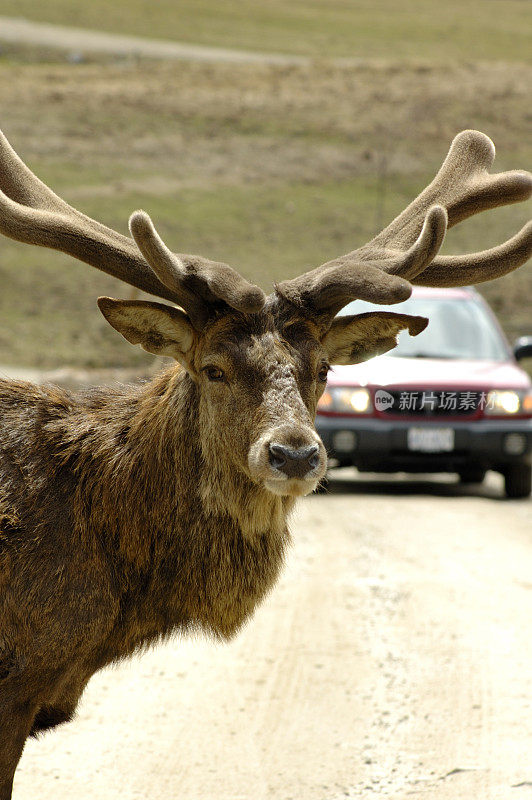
[{"x": 381, "y": 445}]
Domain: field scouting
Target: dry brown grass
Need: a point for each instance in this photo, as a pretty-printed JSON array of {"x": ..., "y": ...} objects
[{"x": 238, "y": 123}]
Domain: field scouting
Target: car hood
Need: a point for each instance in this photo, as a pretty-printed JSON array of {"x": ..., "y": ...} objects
[{"x": 431, "y": 372}]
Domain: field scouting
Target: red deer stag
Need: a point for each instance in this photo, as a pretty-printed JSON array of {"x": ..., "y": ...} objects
[{"x": 127, "y": 514}]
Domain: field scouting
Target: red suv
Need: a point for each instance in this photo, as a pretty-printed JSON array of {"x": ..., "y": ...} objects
[{"x": 452, "y": 399}]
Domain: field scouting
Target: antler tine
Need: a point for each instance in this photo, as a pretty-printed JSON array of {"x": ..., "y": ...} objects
[
  {"x": 198, "y": 285},
  {"x": 464, "y": 187},
  {"x": 406, "y": 251},
  {"x": 486, "y": 265},
  {"x": 355, "y": 276},
  {"x": 31, "y": 212}
]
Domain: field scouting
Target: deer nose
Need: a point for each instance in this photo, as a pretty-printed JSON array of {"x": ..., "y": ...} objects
[{"x": 295, "y": 463}]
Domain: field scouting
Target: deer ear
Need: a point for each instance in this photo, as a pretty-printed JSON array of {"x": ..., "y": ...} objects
[
  {"x": 357, "y": 338},
  {"x": 159, "y": 329}
]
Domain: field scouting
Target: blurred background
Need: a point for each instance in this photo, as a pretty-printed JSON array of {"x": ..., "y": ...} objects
[{"x": 272, "y": 164}]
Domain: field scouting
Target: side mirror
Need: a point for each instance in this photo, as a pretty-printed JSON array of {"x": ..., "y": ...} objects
[{"x": 523, "y": 348}]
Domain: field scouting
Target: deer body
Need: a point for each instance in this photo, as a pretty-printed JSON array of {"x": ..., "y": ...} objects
[
  {"x": 107, "y": 543},
  {"x": 117, "y": 504},
  {"x": 119, "y": 489},
  {"x": 127, "y": 514}
]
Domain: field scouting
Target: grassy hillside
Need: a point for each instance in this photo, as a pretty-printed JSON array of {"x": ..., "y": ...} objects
[
  {"x": 272, "y": 169},
  {"x": 420, "y": 29}
]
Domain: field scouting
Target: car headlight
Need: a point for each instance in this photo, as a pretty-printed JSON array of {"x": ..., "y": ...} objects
[
  {"x": 507, "y": 401},
  {"x": 342, "y": 400}
]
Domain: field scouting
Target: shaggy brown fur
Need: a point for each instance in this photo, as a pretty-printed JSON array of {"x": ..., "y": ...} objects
[{"x": 113, "y": 534}]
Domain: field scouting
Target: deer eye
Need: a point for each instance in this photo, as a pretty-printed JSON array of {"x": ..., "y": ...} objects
[
  {"x": 214, "y": 374},
  {"x": 323, "y": 372}
]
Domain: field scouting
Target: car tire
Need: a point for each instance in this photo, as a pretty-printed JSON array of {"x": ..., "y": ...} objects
[
  {"x": 518, "y": 480},
  {"x": 472, "y": 475}
]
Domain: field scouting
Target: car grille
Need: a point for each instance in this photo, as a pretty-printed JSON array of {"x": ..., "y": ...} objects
[{"x": 429, "y": 404}]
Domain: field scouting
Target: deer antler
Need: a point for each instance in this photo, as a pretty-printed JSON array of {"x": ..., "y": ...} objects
[
  {"x": 30, "y": 212},
  {"x": 200, "y": 284},
  {"x": 405, "y": 252}
]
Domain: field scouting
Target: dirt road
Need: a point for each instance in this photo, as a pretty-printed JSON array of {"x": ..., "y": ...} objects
[
  {"x": 22, "y": 31},
  {"x": 393, "y": 659}
]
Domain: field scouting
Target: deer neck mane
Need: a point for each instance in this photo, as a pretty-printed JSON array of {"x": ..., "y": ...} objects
[
  {"x": 161, "y": 511},
  {"x": 152, "y": 473}
]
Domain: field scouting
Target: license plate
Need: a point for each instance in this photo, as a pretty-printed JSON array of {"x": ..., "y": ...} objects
[{"x": 431, "y": 440}]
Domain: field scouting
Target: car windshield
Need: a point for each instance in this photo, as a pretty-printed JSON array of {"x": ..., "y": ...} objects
[{"x": 458, "y": 328}]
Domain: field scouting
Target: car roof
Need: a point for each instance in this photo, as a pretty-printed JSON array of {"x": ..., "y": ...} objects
[{"x": 460, "y": 292}]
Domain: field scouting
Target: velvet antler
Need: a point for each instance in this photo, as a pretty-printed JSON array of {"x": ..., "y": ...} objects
[
  {"x": 405, "y": 252},
  {"x": 381, "y": 271},
  {"x": 30, "y": 212}
]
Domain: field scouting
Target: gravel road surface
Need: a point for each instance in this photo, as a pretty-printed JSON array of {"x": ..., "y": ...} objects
[{"x": 393, "y": 659}]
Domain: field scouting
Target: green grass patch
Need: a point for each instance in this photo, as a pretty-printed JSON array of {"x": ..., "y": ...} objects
[{"x": 410, "y": 29}]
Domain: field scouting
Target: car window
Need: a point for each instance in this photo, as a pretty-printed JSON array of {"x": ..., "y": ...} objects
[{"x": 458, "y": 328}]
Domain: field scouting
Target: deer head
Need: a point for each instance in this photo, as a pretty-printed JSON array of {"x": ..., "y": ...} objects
[{"x": 259, "y": 364}]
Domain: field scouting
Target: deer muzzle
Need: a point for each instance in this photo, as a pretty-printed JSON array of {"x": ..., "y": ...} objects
[
  {"x": 288, "y": 462},
  {"x": 294, "y": 463}
]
